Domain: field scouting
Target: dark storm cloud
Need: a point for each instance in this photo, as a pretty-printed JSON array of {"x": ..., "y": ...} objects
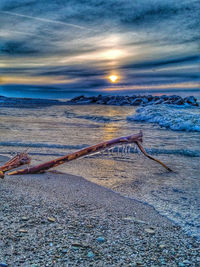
[
  {"x": 162, "y": 63},
  {"x": 17, "y": 48},
  {"x": 74, "y": 72}
]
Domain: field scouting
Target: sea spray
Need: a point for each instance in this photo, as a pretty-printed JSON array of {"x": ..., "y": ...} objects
[{"x": 169, "y": 117}]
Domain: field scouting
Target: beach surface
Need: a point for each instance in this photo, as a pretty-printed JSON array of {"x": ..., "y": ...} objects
[{"x": 56, "y": 219}]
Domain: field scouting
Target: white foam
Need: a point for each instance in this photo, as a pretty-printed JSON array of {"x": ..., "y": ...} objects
[{"x": 169, "y": 117}]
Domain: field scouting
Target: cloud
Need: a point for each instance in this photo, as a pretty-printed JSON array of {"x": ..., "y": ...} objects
[
  {"x": 88, "y": 40},
  {"x": 164, "y": 62},
  {"x": 44, "y": 20},
  {"x": 17, "y": 47}
]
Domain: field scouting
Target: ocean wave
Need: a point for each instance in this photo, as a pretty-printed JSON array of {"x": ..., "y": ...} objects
[
  {"x": 169, "y": 117},
  {"x": 158, "y": 151},
  {"x": 97, "y": 118},
  {"x": 41, "y": 145},
  {"x": 180, "y": 152},
  {"x": 152, "y": 151}
]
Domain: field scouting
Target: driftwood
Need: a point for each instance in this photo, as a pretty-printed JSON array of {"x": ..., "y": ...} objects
[
  {"x": 136, "y": 138},
  {"x": 18, "y": 160},
  {"x": 150, "y": 157}
]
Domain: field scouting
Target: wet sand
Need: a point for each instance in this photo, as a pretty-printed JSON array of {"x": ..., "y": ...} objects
[{"x": 63, "y": 220}]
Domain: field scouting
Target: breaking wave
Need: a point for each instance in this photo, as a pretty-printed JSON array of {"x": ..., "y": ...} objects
[{"x": 171, "y": 118}]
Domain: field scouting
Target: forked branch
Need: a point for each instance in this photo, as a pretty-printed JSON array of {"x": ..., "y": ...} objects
[{"x": 18, "y": 160}]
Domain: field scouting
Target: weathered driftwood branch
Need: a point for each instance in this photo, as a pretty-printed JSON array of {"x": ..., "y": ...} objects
[
  {"x": 15, "y": 162},
  {"x": 150, "y": 157},
  {"x": 136, "y": 138}
]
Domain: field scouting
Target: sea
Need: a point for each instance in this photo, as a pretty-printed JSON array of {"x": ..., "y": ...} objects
[{"x": 171, "y": 134}]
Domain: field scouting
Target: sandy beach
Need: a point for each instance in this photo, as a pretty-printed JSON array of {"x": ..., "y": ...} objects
[{"x": 63, "y": 220}]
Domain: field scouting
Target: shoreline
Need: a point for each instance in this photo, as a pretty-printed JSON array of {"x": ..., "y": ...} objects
[{"x": 64, "y": 220}]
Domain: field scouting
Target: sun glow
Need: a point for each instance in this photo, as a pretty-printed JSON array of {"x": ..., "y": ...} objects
[{"x": 113, "y": 78}]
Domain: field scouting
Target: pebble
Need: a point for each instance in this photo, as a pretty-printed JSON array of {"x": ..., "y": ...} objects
[
  {"x": 89, "y": 226},
  {"x": 149, "y": 230},
  {"x": 162, "y": 261},
  {"x": 76, "y": 244},
  {"x": 90, "y": 254},
  {"x": 57, "y": 256},
  {"x": 24, "y": 218},
  {"x": 100, "y": 239},
  {"x": 162, "y": 246},
  {"x": 3, "y": 264},
  {"x": 23, "y": 231},
  {"x": 75, "y": 248},
  {"x": 51, "y": 219},
  {"x": 139, "y": 263},
  {"x": 187, "y": 262}
]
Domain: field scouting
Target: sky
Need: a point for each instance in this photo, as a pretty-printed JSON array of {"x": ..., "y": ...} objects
[{"x": 56, "y": 48}]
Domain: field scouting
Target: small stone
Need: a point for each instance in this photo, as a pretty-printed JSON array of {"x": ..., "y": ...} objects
[
  {"x": 24, "y": 218},
  {"x": 90, "y": 254},
  {"x": 64, "y": 250},
  {"x": 57, "y": 256},
  {"x": 139, "y": 263},
  {"x": 187, "y": 262},
  {"x": 89, "y": 226},
  {"x": 149, "y": 230},
  {"x": 162, "y": 245},
  {"x": 140, "y": 221},
  {"x": 129, "y": 218},
  {"x": 51, "y": 219},
  {"x": 181, "y": 264},
  {"x": 75, "y": 248},
  {"x": 85, "y": 244},
  {"x": 23, "y": 231},
  {"x": 76, "y": 244},
  {"x": 100, "y": 239},
  {"x": 163, "y": 261},
  {"x": 3, "y": 264}
]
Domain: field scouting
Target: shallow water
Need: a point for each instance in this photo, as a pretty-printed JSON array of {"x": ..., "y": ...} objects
[{"x": 52, "y": 131}]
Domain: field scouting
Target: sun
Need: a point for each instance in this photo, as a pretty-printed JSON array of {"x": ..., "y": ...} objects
[{"x": 113, "y": 78}]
